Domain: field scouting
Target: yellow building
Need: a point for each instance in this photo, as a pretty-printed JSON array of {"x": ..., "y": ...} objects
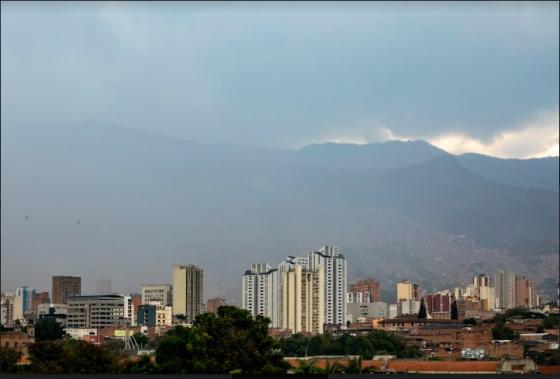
[
  {"x": 406, "y": 290},
  {"x": 187, "y": 291},
  {"x": 303, "y": 300}
]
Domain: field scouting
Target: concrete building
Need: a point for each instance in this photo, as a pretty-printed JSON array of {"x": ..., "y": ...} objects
[
  {"x": 525, "y": 295},
  {"x": 155, "y": 294},
  {"x": 303, "y": 300},
  {"x": 359, "y": 311},
  {"x": 39, "y": 298},
  {"x": 65, "y": 286},
  {"x": 487, "y": 297},
  {"x": 393, "y": 311},
  {"x": 363, "y": 291},
  {"x": 22, "y": 302},
  {"x": 259, "y": 292},
  {"x": 58, "y": 312},
  {"x": 408, "y": 307},
  {"x": 335, "y": 287},
  {"x": 98, "y": 311},
  {"x": 504, "y": 282},
  {"x": 187, "y": 291},
  {"x": 438, "y": 305},
  {"x": 481, "y": 280},
  {"x": 103, "y": 287},
  {"x": 214, "y": 303},
  {"x": 154, "y": 315},
  {"x": 7, "y": 309},
  {"x": 406, "y": 290}
]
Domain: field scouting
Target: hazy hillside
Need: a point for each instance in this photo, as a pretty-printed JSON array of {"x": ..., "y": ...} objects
[
  {"x": 524, "y": 173},
  {"x": 144, "y": 201}
]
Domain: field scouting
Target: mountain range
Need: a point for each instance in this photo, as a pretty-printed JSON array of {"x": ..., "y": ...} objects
[{"x": 98, "y": 200}]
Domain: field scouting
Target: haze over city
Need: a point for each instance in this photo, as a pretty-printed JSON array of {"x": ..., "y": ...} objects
[{"x": 136, "y": 136}]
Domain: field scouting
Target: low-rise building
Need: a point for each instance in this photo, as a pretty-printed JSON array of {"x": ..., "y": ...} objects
[
  {"x": 98, "y": 311},
  {"x": 154, "y": 315}
]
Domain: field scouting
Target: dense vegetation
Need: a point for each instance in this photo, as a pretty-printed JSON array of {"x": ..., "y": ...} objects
[
  {"x": 232, "y": 341},
  {"x": 375, "y": 343}
]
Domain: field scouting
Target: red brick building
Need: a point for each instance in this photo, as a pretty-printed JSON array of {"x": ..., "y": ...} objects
[
  {"x": 369, "y": 289},
  {"x": 214, "y": 303}
]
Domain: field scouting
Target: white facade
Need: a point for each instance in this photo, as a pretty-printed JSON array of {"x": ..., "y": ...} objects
[
  {"x": 376, "y": 309},
  {"x": 334, "y": 266},
  {"x": 409, "y": 307},
  {"x": 156, "y": 294},
  {"x": 393, "y": 310},
  {"x": 97, "y": 311},
  {"x": 260, "y": 292},
  {"x": 504, "y": 282}
]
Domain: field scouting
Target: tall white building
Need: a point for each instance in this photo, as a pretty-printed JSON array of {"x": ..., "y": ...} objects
[
  {"x": 504, "y": 282},
  {"x": 260, "y": 292},
  {"x": 334, "y": 266},
  {"x": 156, "y": 294}
]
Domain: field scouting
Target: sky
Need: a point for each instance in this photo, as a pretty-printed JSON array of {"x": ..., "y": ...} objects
[{"x": 479, "y": 77}]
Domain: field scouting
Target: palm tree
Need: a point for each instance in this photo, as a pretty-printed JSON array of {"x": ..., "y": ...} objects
[
  {"x": 354, "y": 367},
  {"x": 307, "y": 367}
]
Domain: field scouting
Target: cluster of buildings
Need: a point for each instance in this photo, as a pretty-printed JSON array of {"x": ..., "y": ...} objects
[
  {"x": 310, "y": 294},
  {"x": 302, "y": 294},
  {"x": 158, "y": 305}
]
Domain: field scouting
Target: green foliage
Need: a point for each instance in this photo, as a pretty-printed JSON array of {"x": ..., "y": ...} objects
[
  {"x": 141, "y": 339},
  {"x": 551, "y": 357},
  {"x": 228, "y": 341},
  {"x": 48, "y": 329},
  {"x": 307, "y": 367},
  {"x": 469, "y": 321},
  {"x": 502, "y": 332},
  {"x": 9, "y": 358},
  {"x": 354, "y": 367},
  {"x": 551, "y": 321},
  {"x": 71, "y": 356},
  {"x": 144, "y": 365},
  {"x": 523, "y": 313},
  {"x": 422, "y": 313},
  {"x": 374, "y": 343}
]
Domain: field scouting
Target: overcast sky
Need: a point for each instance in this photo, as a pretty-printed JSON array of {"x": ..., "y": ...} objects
[{"x": 477, "y": 77}]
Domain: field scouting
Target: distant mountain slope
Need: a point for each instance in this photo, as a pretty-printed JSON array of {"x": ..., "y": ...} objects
[
  {"x": 146, "y": 201},
  {"x": 451, "y": 198},
  {"x": 523, "y": 173},
  {"x": 391, "y": 154}
]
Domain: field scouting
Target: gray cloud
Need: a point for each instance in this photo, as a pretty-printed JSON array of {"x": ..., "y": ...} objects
[{"x": 283, "y": 75}]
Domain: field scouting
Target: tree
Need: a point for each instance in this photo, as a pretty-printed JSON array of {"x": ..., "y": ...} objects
[
  {"x": 70, "y": 356},
  {"x": 141, "y": 339},
  {"x": 422, "y": 314},
  {"x": 454, "y": 311},
  {"x": 9, "y": 358},
  {"x": 229, "y": 341},
  {"x": 48, "y": 329},
  {"x": 354, "y": 367},
  {"x": 144, "y": 365},
  {"x": 502, "y": 332}
]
